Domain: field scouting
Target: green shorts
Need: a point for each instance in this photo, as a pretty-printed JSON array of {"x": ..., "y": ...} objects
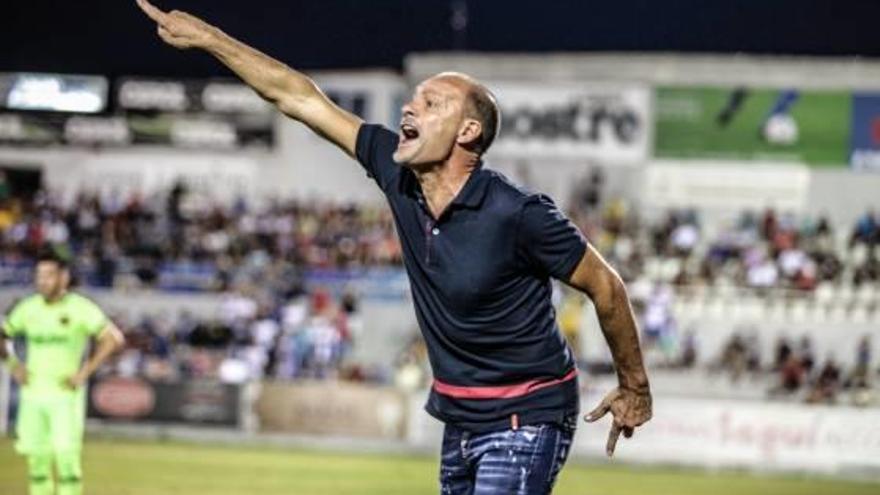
[{"x": 50, "y": 423}]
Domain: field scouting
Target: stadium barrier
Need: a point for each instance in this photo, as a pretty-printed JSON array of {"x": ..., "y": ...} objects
[
  {"x": 707, "y": 433},
  {"x": 713, "y": 433},
  {"x": 191, "y": 402},
  {"x": 331, "y": 408}
]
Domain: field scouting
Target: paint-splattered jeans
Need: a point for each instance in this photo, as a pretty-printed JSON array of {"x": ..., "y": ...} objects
[{"x": 524, "y": 461}]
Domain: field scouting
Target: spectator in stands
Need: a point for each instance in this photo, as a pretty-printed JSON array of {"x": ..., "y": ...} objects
[
  {"x": 588, "y": 194},
  {"x": 827, "y": 384},
  {"x": 762, "y": 273},
  {"x": 782, "y": 352},
  {"x": 859, "y": 381},
  {"x": 570, "y": 318},
  {"x": 734, "y": 357},
  {"x": 867, "y": 229},
  {"x": 324, "y": 335},
  {"x": 869, "y": 270},
  {"x": 806, "y": 355},
  {"x": 412, "y": 368},
  {"x": 792, "y": 376},
  {"x": 753, "y": 352},
  {"x": 657, "y": 320},
  {"x": 689, "y": 350},
  {"x": 863, "y": 352}
]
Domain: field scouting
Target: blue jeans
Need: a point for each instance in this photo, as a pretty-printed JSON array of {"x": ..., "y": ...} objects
[{"x": 524, "y": 461}]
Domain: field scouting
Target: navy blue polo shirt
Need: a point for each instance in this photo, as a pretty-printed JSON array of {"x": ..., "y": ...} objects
[{"x": 480, "y": 280}]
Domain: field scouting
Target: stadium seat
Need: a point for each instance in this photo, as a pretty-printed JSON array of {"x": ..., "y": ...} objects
[
  {"x": 797, "y": 310},
  {"x": 824, "y": 293},
  {"x": 859, "y": 314}
]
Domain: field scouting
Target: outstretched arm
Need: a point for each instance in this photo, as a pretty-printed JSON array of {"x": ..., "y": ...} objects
[
  {"x": 292, "y": 92},
  {"x": 630, "y": 403}
]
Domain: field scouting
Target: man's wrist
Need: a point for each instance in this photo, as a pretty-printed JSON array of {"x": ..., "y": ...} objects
[
  {"x": 636, "y": 381},
  {"x": 11, "y": 361},
  {"x": 86, "y": 371},
  {"x": 214, "y": 40}
]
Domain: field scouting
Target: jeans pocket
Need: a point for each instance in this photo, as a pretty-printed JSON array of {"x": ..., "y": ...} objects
[
  {"x": 561, "y": 449},
  {"x": 570, "y": 423}
]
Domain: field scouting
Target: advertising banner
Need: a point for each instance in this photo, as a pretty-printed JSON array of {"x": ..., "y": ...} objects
[
  {"x": 195, "y": 401},
  {"x": 715, "y": 433},
  {"x": 753, "y": 124},
  {"x": 331, "y": 408},
  {"x": 573, "y": 120},
  {"x": 865, "y": 151}
]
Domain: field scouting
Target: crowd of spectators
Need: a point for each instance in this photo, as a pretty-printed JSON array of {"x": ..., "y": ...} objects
[
  {"x": 308, "y": 336},
  {"x": 259, "y": 256},
  {"x": 795, "y": 371},
  {"x": 760, "y": 251},
  {"x": 181, "y": 240}
]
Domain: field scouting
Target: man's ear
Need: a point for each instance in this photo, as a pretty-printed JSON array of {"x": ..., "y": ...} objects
[{"x": 469, "y": 134}]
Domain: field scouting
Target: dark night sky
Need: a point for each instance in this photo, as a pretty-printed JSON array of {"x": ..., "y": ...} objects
[{"x": 112, "y": 37}]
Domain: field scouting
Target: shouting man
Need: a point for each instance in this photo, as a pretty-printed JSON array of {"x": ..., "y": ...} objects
[{"x": 480, "y": 253}]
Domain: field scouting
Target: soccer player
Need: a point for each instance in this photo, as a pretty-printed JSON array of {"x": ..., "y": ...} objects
[
  {"x": 480, "y": 253},
  {"x": 56, "y": 325}
]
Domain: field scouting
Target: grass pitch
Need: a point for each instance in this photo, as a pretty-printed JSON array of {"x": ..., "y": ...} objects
[{"x": 142, "y": 468}]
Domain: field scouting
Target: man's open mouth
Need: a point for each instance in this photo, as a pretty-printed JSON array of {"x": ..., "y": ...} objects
[{"x": 408, "y": 133}]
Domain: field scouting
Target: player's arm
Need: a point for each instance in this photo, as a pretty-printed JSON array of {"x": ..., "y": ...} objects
[
  {"x": 109, "y": 340},
  {"x": 292, "y": 92},
  {"x": 630, "y": 403},
  {"x": 7, "y": 356}
]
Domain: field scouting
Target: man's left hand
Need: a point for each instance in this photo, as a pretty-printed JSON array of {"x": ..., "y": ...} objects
[
  {"x": 76, "y": 381},
  {"x": 630, "y": 409}
]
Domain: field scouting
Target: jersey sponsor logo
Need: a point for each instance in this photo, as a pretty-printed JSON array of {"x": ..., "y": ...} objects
[
  {"x": 48, "y": 339},
  {"x": 123, "y": 398}
]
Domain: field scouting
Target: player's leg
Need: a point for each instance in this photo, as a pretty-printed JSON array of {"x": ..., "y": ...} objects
[
  {"x": 456, "y": 471},
  {"x": 67, "y": 424},
  {"x": 522, "y": 461},
  {"x": 69, "y": 467},
  {"x": 40, "y": 474},
  {"x": 32, "y": 432}
]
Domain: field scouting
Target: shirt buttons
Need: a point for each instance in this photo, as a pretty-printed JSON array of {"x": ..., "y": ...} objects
[{"x": 435, "y": 231}]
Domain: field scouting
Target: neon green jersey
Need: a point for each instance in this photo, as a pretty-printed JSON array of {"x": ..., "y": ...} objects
[{"x": 56, "y": 335}]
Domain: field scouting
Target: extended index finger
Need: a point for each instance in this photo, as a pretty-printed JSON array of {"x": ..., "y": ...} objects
[
  {"x": 613, "y": 435},
  {"x": 151, "y": 10},
  {"x": 601, "y": 410}
]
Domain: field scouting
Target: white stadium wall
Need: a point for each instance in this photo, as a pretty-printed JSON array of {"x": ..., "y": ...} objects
[{"x": 314, "y": 169}]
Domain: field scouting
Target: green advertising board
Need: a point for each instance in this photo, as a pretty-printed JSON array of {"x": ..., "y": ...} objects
[{"x": 754, "y": 124}]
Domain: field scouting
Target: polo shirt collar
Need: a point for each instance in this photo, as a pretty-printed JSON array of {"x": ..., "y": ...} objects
[
  {"x": 474, "y": 190},
  {"x": 470, "y": 196}
]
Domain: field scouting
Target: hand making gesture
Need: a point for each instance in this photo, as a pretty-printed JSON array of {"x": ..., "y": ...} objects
[{"x": 179, "y": 29}]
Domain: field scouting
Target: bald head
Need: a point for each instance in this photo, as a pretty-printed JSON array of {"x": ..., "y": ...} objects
[{"x": 480, "y": 105}]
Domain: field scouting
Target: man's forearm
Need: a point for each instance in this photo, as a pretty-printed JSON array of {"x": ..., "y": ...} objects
[
  {"x": 619, "y": 327},
  {"x": 106, "y": 347},
  {"x": 273, "y": 80}
]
